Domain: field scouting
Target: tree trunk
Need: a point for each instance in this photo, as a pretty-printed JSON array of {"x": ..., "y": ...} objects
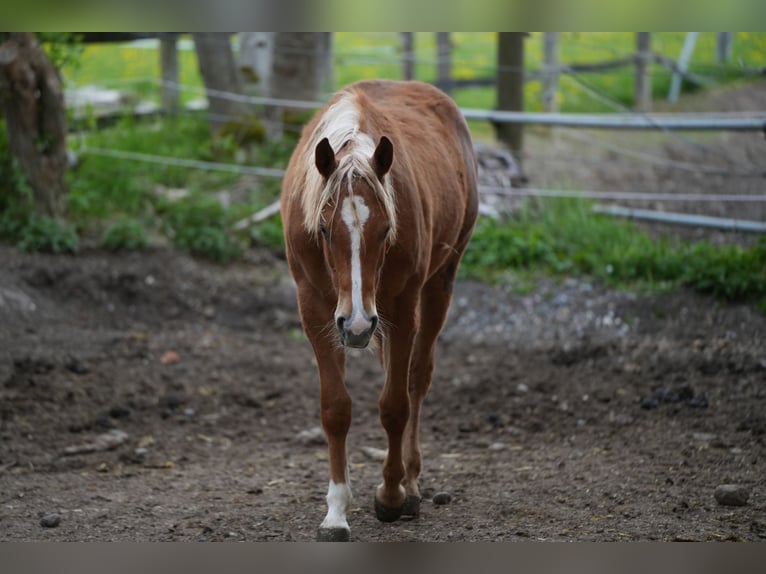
[
  {"x": 255, "y": 55},
  {"x": 35, "y": 118},
  {"x": 223, "y": 83},
  {"x": 297, "y": 70},
  {"x": 297, "y": 66}
]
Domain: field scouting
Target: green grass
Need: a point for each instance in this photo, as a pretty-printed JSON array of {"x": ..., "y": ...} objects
[
  {"x": 142, "y": 199},
  {"x": 565, "y": 237}
]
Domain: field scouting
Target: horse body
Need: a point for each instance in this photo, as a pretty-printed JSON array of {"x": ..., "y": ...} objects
[{"x": 378, "y": 203}]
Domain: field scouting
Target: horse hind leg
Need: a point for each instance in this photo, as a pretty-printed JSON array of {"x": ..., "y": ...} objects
[
  {"x": 434, "y": 304},
  {"x": 390, "y": 495}
]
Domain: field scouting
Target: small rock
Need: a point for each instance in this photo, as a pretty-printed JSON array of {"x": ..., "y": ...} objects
[
  {"x": 732, "y": 494},
  {"x": 119, "y": 412},
  {"x": 51, "y": 520},
  {"x": 698, "y": 401},
  {"x": 376, "y": 454},
  {"x": 75, "y": 366},
  {"x": 704, "y": 436},
  {"x": 442, "y": 498},
  {"x": 648, "y": 403},
  {"x": 313, "y": 436},
  {"x": 170, "y": 358},
  {"x": 106, "y": 441},
  {"x": 496, "y": 446}
]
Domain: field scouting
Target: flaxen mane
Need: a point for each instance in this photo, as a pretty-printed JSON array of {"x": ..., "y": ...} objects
[{"x": 340, "y": 125}]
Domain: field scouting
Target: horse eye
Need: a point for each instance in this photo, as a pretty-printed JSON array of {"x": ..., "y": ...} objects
[
  {"x": 323, "y": 229},
  {"x": 386, "y": 230}
]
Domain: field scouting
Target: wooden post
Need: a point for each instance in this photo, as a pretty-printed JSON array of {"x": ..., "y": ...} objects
[
  {"x": 444, "y": 61},
  {"x": 643, "y": 84},
  {"x": 328, "y": 70},
  {"x": 169, "y": 72},
  {"x": 723, "y": 46},
  {"x": 510, "y": 88},
  {"x": 551, "y": 71},
  {"x": 408, "y": 55}
]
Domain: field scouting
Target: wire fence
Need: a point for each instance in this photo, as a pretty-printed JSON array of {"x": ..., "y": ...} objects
[{"x": 730, "y": 168}]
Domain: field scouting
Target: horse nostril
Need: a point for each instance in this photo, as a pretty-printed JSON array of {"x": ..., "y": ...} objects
[
  {"x": 374, "y": 322},
  {"x": 341, "y": 321}
]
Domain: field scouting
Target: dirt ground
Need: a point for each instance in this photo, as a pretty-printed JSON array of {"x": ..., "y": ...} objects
[{"x": 157, "y": 397}]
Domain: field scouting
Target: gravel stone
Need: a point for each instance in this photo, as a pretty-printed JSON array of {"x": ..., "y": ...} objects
[
  {"x": 732, "y": 495},
  {"x": 442, "y": 498},
  {"x": 51, "y": 520}
]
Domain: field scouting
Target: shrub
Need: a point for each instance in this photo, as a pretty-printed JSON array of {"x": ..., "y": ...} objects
[
  {"x": 48, "y": 235},
  {"x": 200, "y": 225},
  {"x": 124, "y": 233}
]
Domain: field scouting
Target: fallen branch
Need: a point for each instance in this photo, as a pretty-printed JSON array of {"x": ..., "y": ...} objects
[{"x": 265, "y": 213}]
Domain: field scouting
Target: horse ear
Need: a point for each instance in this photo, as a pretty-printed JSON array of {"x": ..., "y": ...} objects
[
  {"x": 383, "y": 157},
  {"x": 324, "y": 158}
]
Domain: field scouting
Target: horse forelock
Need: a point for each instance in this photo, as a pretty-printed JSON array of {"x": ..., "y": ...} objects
[{"x": 340, "y": 125}]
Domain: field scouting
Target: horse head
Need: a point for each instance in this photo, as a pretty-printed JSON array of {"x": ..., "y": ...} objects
[{"x": 355, "y": 229}]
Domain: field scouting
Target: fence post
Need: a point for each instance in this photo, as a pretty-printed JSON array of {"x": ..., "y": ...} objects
[
  {"x": 723, "y": 46},
  {"x": 169, "y": 72},
  {"x": 551, "y": 71},
  {"x": 444, "y": 61},
  {"x": 328, "y": 70},
  {"x": 510, "y": 88},
  {"x": 683, "y": 64},
  {"x": 643, "y": 85},
  {"x": 408, "y": 55}
]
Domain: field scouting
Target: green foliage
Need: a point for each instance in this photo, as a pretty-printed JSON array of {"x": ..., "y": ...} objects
[
  {"x": 269, "y": 233},
  {"x": 200, "y": 225},
  {"x": 48, "y": 235},
  {"x": 243, "y": 132},
  {"x": 125, "y": 233},
  {"x": 566, "y": 237},
  {"x": 18, "y": 223},
  {"x": 141, "y": 192},
  {"x": 64, "y": 49}
]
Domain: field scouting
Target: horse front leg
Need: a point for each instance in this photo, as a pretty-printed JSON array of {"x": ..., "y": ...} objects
[
  {"x": 394, "y": 410},
  {"x": 335, "y": 406}
]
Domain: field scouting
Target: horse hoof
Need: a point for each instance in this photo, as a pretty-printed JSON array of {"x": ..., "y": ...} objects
[
  {"x": 386, "y": 514},
  {"x": 333, "y": 535},
  {"x": 411, "y": 505}
]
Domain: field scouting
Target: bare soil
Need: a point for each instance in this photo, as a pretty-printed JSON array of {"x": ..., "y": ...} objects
[{"x": 156, "y": 397}]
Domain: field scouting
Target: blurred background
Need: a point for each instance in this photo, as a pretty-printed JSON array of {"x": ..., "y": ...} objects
[{"x": 126, "y": 140}]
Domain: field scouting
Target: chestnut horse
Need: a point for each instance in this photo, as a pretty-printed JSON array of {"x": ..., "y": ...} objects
[{"x": 378, "y": 204}]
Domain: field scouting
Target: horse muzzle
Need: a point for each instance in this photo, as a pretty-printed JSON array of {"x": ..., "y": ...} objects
[{"x": 357, "y": 332}]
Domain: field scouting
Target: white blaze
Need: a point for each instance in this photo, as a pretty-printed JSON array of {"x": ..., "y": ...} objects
[
  {"x": 355, "y": 213},
  {"x": 338, "y": 501}
]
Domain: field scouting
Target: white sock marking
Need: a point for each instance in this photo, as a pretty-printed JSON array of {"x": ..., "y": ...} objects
[
  {"x": 338, "y": 501},
  {"x": 355, "y": 213}
]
